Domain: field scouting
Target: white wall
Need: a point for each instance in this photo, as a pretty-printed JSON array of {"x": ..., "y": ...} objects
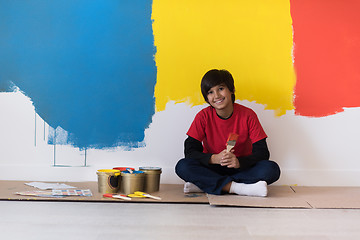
[{"x": 310, "y": 151}]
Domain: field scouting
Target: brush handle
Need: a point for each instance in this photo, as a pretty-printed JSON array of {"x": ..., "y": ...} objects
[
  {"x": 151, "y": 196},
  {"x": 229, "y": 147},
  {"x": 110, "y": 195},
  {"x": 121, "y": 197},
  {"x": 147, "y": 195}
]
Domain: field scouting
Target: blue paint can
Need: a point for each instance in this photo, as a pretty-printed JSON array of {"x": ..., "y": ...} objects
[{"x": 132, "y": 181}]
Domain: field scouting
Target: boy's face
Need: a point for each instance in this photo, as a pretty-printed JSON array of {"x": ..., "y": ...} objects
[{"x": 219, "y": 97}]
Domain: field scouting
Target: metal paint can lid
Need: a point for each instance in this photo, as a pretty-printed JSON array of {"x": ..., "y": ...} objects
[{"x": 150, "y": 170}]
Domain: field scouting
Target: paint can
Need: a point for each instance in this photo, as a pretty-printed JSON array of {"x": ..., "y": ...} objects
[
  {"x": 132, "y": 181},
  {"x": 123, "y": 168},
  {"x": 152, "y": 178},
  {"x": 108, "y": 180},
  {"x": 120, "y": 177}
]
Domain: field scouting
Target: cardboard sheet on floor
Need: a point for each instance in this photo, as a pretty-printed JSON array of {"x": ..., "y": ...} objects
[
  {"x": 330, "y": 197},
  {"x": 169, "y": 193},
  {"x": 278, "y": 197}
]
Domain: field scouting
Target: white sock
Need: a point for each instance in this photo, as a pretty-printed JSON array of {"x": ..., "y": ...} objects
[
  {"x": 191, "y": 188},
  {"x": 258, "y": 189}
]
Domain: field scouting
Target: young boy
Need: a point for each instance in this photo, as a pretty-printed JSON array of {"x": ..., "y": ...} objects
[{"x": 207, "y": 166}]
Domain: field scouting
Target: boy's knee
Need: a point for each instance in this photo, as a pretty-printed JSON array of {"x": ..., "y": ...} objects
[
  {"x": 274, "y": 171},
  {"x": 270, "y": 171},
  {"x": 178, "y": 166},
  {"x": 181, "y": 166}
]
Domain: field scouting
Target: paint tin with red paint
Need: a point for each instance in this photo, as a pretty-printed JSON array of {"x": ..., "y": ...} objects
[{"x": 123, "y": 168}]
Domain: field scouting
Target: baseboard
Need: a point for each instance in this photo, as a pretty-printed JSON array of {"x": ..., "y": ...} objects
[{"x": 319, "y": 177}]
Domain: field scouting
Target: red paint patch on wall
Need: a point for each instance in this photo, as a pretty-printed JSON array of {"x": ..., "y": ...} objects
[{"x": 327, "y": 56}]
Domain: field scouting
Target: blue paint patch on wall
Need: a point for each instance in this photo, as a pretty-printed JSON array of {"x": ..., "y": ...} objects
[{"x": 87, "y": 65}]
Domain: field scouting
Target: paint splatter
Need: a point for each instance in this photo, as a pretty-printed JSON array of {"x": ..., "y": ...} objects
[
  {"x": 327, "y": 50},
  {"x": 88, "y": 66},
  {"x": 251, "y": 39}
]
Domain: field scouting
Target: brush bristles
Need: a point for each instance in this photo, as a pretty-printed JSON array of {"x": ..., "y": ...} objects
[
  {"x": 231, "y": 142},
  {"x": 233, "y": 137}
]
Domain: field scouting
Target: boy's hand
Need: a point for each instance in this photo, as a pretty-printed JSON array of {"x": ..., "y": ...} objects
[
  {"x": 229, "y": 159},
  {"x": 216, "y": 158},
  {"x": 225, "y": 158}
]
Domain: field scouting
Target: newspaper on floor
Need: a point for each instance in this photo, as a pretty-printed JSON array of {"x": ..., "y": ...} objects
[
  {"x": 37, "y": 194},
  {"x": 57, "y": 193},
  {"x": 49, "y": 186},
  {"x": 76, "y": 192}
]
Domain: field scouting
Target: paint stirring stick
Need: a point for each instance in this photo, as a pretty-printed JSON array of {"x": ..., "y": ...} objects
[
  {"x": 147, "y": 195},
  {"x": 231, "y": 141},
  {"x": 109, "y": 195}
]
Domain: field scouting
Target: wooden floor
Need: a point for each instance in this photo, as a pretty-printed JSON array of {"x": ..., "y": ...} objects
[{"x": 78, "y": 220}]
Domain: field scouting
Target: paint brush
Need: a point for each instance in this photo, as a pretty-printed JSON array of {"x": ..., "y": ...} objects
[
  {"x": 147, "y": 195},
  {"x": 123, "y": 197},
  {"x": 231, "y": 141}
]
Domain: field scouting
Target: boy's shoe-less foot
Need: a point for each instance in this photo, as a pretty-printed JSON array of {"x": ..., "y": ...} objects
[
  {"x": 258, "y": 189},
  {"x": 191, "y": 188}
]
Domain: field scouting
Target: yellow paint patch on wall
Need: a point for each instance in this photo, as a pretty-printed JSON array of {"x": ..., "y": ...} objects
[{"x": 251, "y": 39}]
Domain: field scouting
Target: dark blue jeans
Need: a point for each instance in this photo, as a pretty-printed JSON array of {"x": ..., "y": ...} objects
[{"x": 211, "y": 179}]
